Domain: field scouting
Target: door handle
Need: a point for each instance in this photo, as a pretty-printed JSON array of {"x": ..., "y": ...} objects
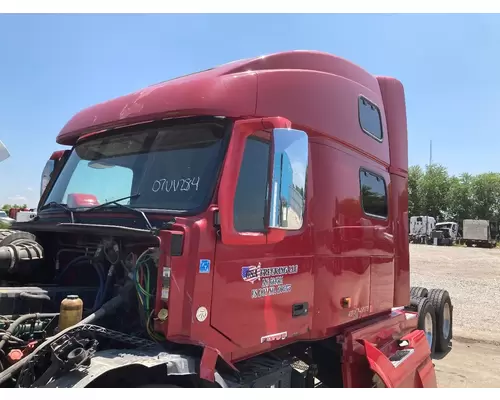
[{"x": 300, "y": 309}]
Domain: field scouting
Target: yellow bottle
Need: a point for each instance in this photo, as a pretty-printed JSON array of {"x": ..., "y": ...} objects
[{"x": 71, "y": 311}]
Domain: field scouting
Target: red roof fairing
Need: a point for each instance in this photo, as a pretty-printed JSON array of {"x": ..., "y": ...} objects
[
  {"x": 206, "y": 93},
  {"x": 228, "y": 90}
]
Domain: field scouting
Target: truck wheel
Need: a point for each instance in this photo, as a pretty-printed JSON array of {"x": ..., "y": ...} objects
[
  {"x": 441, "y": 301},
  {"x": 427, "y": 321},
  {"x": 417, "y": 291},
  {"x": 9, "y": 237}
]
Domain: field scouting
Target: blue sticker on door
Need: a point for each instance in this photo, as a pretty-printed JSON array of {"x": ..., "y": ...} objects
[{"x": 204, "y": 266}]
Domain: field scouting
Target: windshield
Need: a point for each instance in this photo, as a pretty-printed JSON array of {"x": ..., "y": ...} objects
[
  {"x": 3, "y": 214},
  {"x": 443, "y": 226},
  {"x": 171, "y": 168}
]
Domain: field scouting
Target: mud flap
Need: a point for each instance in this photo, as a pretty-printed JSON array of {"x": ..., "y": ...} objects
[
  {"x": 208, "y": 364},
  {"x": 410, "y": 366}
]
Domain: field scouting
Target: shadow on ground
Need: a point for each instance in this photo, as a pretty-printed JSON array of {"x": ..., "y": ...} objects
[{"x": 440, "y": 356}]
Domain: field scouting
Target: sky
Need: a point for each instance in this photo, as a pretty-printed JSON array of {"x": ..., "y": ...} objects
[{"x": 52, "y": 66}]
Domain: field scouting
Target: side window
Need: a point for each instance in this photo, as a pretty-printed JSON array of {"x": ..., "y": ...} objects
[
  {"x": 373, "y": 194},
  {"x": 369, "y": 118},
  {"x": 251, "y": 191}
]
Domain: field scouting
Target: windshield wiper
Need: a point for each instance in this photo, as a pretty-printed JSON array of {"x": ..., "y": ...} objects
[
  {"x": 134, "y": 196},
  {"x": 53, "y": 204},
  {"x": 108, "y": 203}
]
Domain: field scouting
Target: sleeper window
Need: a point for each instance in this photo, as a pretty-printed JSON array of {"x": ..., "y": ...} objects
[
  {"x": 369, "y": 118},
  {"x": 373, "y": 194}
]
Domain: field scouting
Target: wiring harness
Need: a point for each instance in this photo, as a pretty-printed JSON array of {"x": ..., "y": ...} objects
[{"x": 144, "y": 276}]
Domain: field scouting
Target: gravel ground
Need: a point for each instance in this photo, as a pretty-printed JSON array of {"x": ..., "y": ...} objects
[
  {"x": 471, "y": 365},
  {"x": 472, "y": 277}
]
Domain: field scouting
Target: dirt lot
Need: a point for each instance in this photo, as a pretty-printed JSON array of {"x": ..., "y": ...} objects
[{"x": 472, "y": 277}]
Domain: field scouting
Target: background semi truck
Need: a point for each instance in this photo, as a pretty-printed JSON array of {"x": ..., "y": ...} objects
[
  {"x": 421, "y": 227},
  {"x": 244, "y": 226},
  {"x": 478, "y": 232},
  {"x": 444, "y": 234}
]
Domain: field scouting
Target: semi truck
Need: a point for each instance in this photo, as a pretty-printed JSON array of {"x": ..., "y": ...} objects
[
  {"x": 444, "y": 234},
  {"x": 421, "y": 227},
  {"x": 243, "y": 226},
  {"x": 477, "y": 232}
]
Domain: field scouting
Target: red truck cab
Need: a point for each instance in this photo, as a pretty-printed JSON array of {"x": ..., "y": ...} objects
[{"x": 277, "y": 186}]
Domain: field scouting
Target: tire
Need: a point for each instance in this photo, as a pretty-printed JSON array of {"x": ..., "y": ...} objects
[
  {"x": 8, "y": 236},
  {"x": 427, "y": 321},
  {"x": 441, "y": 301},
  {"x": 417, "y": 291}
]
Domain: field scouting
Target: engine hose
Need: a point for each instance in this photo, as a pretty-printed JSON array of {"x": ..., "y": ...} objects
[
  {"x": 37, "y": 326},
  {"x": 19, "y": 321},
  {"x": 99, "y": 270},
  {"x": 99, "y": 299},
  {"x": 35, "y": 296},
  {"x": 107, "y": 307},
  {"x": 26, "y": 250},
  {"x": 102, "y": 293},
  {"x": 83, "y": 260}
]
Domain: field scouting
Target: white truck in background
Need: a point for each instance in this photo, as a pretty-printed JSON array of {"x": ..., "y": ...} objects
[
  {"x": 478, "y": 232},
  {"x": 444, "y": 234},
  {"x": 421, "y": 227},
  {"x": 25, "y": 216}
]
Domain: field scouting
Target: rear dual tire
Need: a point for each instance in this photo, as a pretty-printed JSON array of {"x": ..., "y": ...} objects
[
  {"x": 426, "y": 320},
  {"x": 435, "y": 316},
  {"x": 441, "y": 302},
  {"x": 417, "y": 291}
]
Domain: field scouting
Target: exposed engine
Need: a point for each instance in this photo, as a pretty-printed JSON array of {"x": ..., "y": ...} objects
[{"x": 53, "y": 287}]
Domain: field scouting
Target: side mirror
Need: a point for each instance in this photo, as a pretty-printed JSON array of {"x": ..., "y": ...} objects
[
  {"x": 46, "y": 174},
  {"x": 288, "y": 185},
  {"x": 4, "y": 153},
  {"x": 289, "y": 157},
  {"x": 50, "y": 166}
]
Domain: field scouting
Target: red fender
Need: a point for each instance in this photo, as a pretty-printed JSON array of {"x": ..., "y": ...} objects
[{"x": 415, "y": 370}]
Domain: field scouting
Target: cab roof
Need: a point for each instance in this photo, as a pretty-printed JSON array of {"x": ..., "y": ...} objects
[{"x": 228, "y": 90}]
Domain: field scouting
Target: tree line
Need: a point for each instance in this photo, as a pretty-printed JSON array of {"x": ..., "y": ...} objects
[{"x": 432, "y": 191}]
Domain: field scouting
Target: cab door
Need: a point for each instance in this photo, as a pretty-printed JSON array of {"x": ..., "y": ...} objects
[{"x": 263, "y": 292}]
